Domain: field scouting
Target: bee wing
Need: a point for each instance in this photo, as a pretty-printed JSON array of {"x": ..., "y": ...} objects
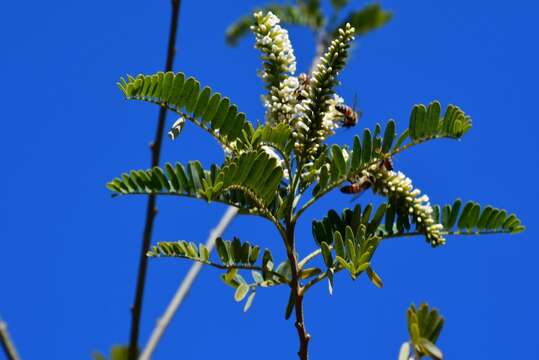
[{"x": 358, "y": 194}]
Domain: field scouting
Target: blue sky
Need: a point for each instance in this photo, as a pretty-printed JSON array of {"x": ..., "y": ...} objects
[{"x": 70, "y": 252}]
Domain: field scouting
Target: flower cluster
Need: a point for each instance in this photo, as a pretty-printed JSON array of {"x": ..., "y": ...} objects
[
  {"x": 398, "y": 188},
  {"x": 282, "y": 103},
  {"x": 279, "y": 64},
  {"x": 320, "y": 115},
  {"x": 332, "y": 118},
  {"x": 273, "y": 41}
]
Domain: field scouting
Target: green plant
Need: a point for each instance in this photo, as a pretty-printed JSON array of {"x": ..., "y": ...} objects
[
  {"x": 424, "y": 327},
  {"x": 279, "y": 169}
]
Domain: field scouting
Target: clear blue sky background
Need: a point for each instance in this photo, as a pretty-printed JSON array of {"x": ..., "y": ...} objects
[{"x": 69, "y": 252}]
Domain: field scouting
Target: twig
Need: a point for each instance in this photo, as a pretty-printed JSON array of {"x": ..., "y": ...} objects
[
  {"x": 7, "y": 343},
  {"x": 317, "y": 252},
  {"x": 185, "y": 286},
  {"x": 151, "y": 209},
  {"x": 297, "y": 293}
]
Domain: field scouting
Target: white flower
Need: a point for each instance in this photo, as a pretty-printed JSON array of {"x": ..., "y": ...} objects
[
  {"x": 399, "y": 185},
  {"x": 280, "y": 64},
  {"x": 273, "y": 40},
  {"x": 332, "y": 117},
  {"x": 281, "y": 103}
]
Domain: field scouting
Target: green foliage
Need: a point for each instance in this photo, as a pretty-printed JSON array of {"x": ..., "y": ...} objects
[
  {"x": 390, "y": 220},
  {"x": 472, "y": 219},
  {"x": 118, "y": 352},
  {"x": 234, "y": 252},
  {"x": 256, "y": 174},
  {"x": 335, "y": 167},
  {"x": 233, "y": 256},
  {"x": 350, "y": 221},
  {"x": 249, "y": 182},
  {"x": 355, "y": 250},
  {"x": 182, "y": 249},
  {"x": 277, "y": 137},
  {"x": 185, "y": 96},
  {"x": 351, "y": 238},
  {"x": 371, "y": 17},
  {"x": 341, "y": 163},
  {"x": 312, "y": 11},
  {"x": 309, "y": 14},
  {"x": 338, "y": 4},
  {"x": 425, "y": 122},
  {"x": 290, "y": 15},
  {"x": 424, "y": 327},
  {"x": 190, "y": 180}
]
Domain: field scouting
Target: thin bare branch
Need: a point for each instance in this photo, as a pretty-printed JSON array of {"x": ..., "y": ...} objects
[
  {"x": 7, "y": 343},
  {"x": 185, "y": 286},
  {"x": 151, "y": 209}
]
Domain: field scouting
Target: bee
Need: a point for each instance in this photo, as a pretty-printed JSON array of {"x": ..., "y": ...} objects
[
  {"x": 304, "y": 79},
  {"x": 304, "y": 82},
  {"x": 350, "y": 115},
  {"x": 363, "y": 183},
  {"x": 387, "y": 163},
  {"x": 358, "y": 186}
]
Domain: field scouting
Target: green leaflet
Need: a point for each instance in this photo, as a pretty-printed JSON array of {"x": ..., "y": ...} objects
[
  {"x": 241, "y": 292},
  {"x": 389, "y": 136},
  {"x": 249, "y": 301},
  {"x": 366, "y": 19},
  {"x": 338, "y": 160}
]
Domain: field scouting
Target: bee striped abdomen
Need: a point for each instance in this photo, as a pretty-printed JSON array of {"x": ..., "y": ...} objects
[
  {"x": 350, "y": 117},
  {"x": 388, "y": 164}
]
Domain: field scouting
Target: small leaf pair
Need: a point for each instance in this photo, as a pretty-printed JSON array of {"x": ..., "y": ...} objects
[{"x": 424, "y": 327}]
